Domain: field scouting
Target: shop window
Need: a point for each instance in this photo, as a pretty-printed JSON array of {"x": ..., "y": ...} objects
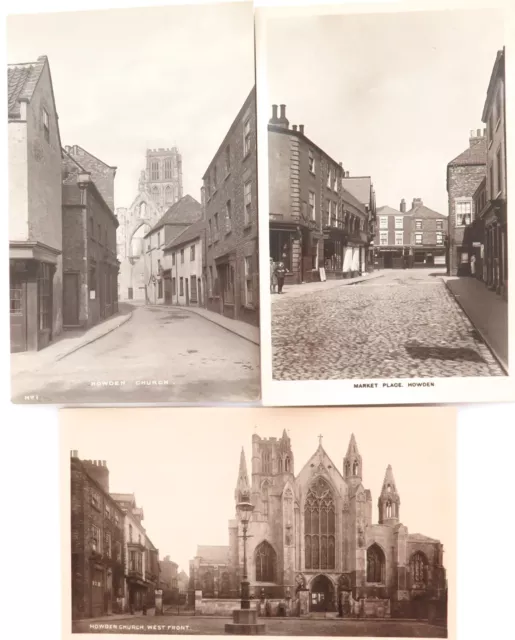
[
  {"x": 248, "y": 281},
  {"x": 44, "y": 296}
]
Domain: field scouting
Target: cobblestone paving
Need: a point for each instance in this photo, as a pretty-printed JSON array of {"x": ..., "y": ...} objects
[{"x": 403, "y": 325}]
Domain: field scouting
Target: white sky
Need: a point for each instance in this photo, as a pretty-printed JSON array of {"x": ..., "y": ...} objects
[
  {"x": 182, "y": 464},
  {"x": 130, "y": 79},
  {"x": 393, "y": 96}
]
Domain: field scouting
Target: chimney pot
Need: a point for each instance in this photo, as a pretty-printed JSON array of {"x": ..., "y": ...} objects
[
  {"x": 472, "y": 133},
  {"x": 274, "y": 112},
  {"x": 283, "y": 111},
  {"x": 479, "y": 133},
  {"x": 301, "y": 128},
  {"x": 294, "y": 127}
]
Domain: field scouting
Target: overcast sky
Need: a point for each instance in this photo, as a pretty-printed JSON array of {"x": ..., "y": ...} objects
[
  {"x": 182, "y": 464},
  {"x": 131, "y": 79},
  {"x": 393, "y": 96}
]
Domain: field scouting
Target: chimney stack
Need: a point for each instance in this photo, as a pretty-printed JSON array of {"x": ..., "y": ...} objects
[
  {"x": 477, "y": 137},
  {"x": 301, "y": 128},
  {"x": 294, "y": 127},
  {"x": 417, "y": 202},
  {"x": 274, "y": 114},
  {"x": 97, "y": 469},
  {"x": 282, "y": 121},
  {"x": 283, "y": 112},
  {"x": 402, "y": 207}
]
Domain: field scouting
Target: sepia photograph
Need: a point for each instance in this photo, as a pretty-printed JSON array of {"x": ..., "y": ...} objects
[
  {"x": 387, "y": 194},
  {"x": 133, "y": 229},
  {"x": 284, "y": 522}
]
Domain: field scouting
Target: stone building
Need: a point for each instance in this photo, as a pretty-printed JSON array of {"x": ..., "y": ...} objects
[
  {"x": 97, "y": 542},
  {"x": 159, "y": 187},
  {"x": 315, "y": 221},
  {"x": 210, "y": 572},
  {"x": 90, "y": 265},
  {"x": 494, "y": 214},
  {"x": 168, "y": 580},
  {"x": 314, "y": 545},
  {"x": 35, "y": 214},
  {"x": 183, "y": 267},
  {"x": 179, "y": 217},
  {"x": 231, "y": 214},
  {"x": 464, "y": 175}
]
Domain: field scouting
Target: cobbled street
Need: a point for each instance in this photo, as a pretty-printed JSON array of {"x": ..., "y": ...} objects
[{"x": 405, "y": 324}]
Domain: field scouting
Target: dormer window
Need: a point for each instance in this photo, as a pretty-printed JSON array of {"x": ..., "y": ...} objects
[{"x": 46, "y": 125}]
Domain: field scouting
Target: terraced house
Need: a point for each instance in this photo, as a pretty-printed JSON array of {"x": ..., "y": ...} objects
[{"x": 315, "y": 220}]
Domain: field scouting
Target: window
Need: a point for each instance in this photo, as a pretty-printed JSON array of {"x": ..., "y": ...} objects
[
  {"x": 399, "y": 238},
  {"x": 95, "y": 500},
  {"x": 264, "y": 492},
  {"x": 154, "y": 170},
  {"x": 158, "y": 239},
  {"x": 210, "y": 282},
  {"x": 228, "y": 217},
  {"x": 334, "y": 214},
  {"x": 168, "y": 169},
  {"x": 118, "y": 551},
  {"x": 95, "y": 539},
  {"x": 498, "y": 106},
  {"x": 418, "y": 568},
  {"x": 155, "y": 194},
  {"x": 16, "y": 298},
  {"x": 399, "y": 222},
  {"x": 117, "y": 518},
  {"x": 217, "y": 226},
  {"x": 265, "y": 563},
  {"x": 319, "y": 527},
  {"x": 168, "y": 194},
  {"x": 311, "y": 162},
  {"x": 439, "y": 225},
  {"x": 463, "y": 213},
  {"x": 335, "y": 181},
  {"x": 418, "y": 225},
  {"x": 107, "y": 511},
  {"x": 173, "y": 259},
  {"x": 287, "y": 464},
  {"x": 160, "y": 288},
  {"x": 227, "y": 159},
  {"x": 418, "y": 238},
  {"x": 329, "y": 177},
  {"x": 181, "y": 286},
  {"x": 174, "y": 287},
  {"x": 107, "y": 546},
  {"x": 247, "y": 198},
  {"x": 328, "y": 213},
  {"x": 246, "y": 137},
  {"x": 208, "y": 584},
  {"x": 182, "y": 256},
  {"x": 439, "y": 238},
  {"x": 498, "y": 157},
  {"x": 383, "y": 222},
  {"x": 130, "y": 533},
  {"x": 375, "y": 564},
  {"x": 383, "y": 237},
  {"x": 135, "y": 561},
  {"x": 192, "y": 253},
  {"x": 248, "y": 280},
  {"x": 267, "y": 462},
  {"x": 210, "y": 232},
  {"x": 46, "y": 125},
  {"x": 312, "y": 211},
  {"x": 44, "y": 296}
]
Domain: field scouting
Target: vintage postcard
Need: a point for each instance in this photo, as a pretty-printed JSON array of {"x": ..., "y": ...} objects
[
  {"x": 133, "y": 233},
  {"x": 271, "y": 521},
  {"x": 383, "y": 192}
]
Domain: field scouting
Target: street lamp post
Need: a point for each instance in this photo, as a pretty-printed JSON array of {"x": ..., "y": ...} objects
[{"x": 245, "y": 509}]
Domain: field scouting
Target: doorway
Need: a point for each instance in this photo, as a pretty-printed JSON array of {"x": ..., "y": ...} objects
[
  {"x": 322, "y": 594},
  {"x": 18, "y": 307},
  {"x": 186, "y": 282},
  {"x": 71, "y": 300}
]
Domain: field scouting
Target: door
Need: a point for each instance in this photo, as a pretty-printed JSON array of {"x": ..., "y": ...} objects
[
  {"x": 193, "y": 289},
  {"x": 18, "y": 308},
  {"x": 168, "y": 289},
  {"x": 71, "y": 299},
  {"x": 322, "y": 594},
  {"x": 186, "y": 282},
  {"x": 97, "y": 593},
  {"x": 199, "y": 294}
]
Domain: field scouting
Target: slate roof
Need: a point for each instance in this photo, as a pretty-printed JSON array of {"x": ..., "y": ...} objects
[
  {"x": 359, "y": 186},
  {"x": 213, "y": 554},
  {"x": 475, "y": 155},
  {"x": 21, "y": 82},
  {"x": 186, "y": 210},
  {"x": 189, "y": 234},
  {"x": 351, "y": 199},
  {"x": 421, "y": 211},
  {"x": 385, "y": 210}
]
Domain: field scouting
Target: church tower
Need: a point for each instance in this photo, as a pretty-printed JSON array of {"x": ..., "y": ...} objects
[
  {"x": 352, "y": 464},
  {"x": 162, "y": 178},
  {"x": 242, "y": 491},
  {"x": 389, "y": 501}
]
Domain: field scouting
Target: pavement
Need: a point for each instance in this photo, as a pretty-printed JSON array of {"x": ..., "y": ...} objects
[
  {"x": 405, "y": 325},
  {"x": 206, "y": 625},
  {"x": 297, "y": 290},
  {"x": 487, "y": 311},
  {"x": 162, "y": 355}
]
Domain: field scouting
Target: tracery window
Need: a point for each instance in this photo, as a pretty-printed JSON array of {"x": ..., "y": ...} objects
[
  {"x": 265, "y": 563},
  {"x": 155, "y": 170},
  {"x": 168, "y": 169},
  {"x": 280, "y": 465},
  {"x": 418, "y": 568},
  {"x": 319, "y": 527},
  {"x": 375, "y": 564},
  {"x": 355, "y": 468},
  {"x": 389, "y": 509},
  {"x": 287, "y": 464},
  {"x": 267, "y": 462}
]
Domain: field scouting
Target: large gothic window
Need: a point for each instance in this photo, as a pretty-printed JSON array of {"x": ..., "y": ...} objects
[
  {"x": 265, "y": 563},
  {"x": 267, "y": 462},
  {"x": 418, "y": 568},
  {"x": 155, "y": 170},
  {"x": 375, "y": 564},
  {"x": 319, "y": 527},
  {"x": 168, "y": 169}
]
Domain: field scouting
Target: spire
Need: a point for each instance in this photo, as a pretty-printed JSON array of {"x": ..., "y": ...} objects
[
  {"x": 352, "y": 463},
  {"x": 389, "y": 481},
  {"x": 389, "y": 500},
  {"x": 242, "y": 485},
  {"x": 352, "y": 449}
]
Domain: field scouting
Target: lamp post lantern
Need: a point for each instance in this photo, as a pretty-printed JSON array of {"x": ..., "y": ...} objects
[{"x": 245, "y": 509}]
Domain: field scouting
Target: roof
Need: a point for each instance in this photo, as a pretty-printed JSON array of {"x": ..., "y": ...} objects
[
  {"x": 359, "y": 186},
  {"x": 497, "y": 72},
  {"x": 213, "y": 555},
  {"x": 189, "y": 234},
  {"x": 123, "y": 497},
  {"x": 421, "y": 211},
  {"x": 475, "y": 155},
  {"x": 185, "y": 210},
  {"x": 350, "y": 199},
  {"x": 385, "y": 210},
  {"x": 21, "y": 82}
]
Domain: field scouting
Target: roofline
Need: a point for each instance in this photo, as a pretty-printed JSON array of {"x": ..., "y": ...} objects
[
  {"x": 496, "y": 72},
  {"x": 97, "y": 484},
  {"x": 174, "y": 244},
  {"x": 47, "y": 63},
  {"x": 248, "y": 99},
  {"x": 109, "y": 166}
]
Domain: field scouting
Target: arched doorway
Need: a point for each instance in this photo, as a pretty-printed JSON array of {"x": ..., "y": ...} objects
[{"x": 322, "y": 594}]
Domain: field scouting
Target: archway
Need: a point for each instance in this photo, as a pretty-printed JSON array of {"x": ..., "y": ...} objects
[
  {"x": 136, "y": 244},
  {"x": 322, "y": 594}
]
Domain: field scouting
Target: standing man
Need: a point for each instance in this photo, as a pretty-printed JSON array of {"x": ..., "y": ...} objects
[
  {"x": 273, "y": 277},
  {"x": 280, "y": 274}
]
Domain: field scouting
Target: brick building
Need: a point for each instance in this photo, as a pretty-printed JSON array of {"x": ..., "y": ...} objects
[
  {"x": 35, "y": 215},
  {"x": 392, "y": 237},
  {"x": 172, "y": 224},
  {"x": 183, "y": 267},
  {"x": 90, "y": 265},
  {"x": 464, "y": 175},
  {"x": 494, "y": 214},
  {"x": 231, "y": 215},
  {"x": 315, "y": 221},
  {"x": 97, "y": 542}
]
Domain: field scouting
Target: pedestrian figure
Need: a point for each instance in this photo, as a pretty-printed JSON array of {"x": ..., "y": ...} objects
[
  {"x": 273, "y": 277},
  {"x": 280, "y": 274},
  {"x": 473, "y": 265},
  {"x": 144, "y": 609}
]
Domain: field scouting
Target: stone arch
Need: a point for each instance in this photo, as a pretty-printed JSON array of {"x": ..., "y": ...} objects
[
  {"x": 265, "y": 562},
  {"x": 419, "y": 568},
  {"x": 376, "y": 564},
  {"x": 323, "y": 593},
  {"x": 138, "y": 231},
  {"x": 320, "y": 525}
]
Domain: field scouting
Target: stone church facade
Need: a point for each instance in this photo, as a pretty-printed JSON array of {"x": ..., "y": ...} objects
[{"x": 314, "y": 545}]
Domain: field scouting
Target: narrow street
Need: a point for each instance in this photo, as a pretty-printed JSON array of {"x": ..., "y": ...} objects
[
  {"x": 159, "y": 355},
  {"x": 403, "y": 324}
]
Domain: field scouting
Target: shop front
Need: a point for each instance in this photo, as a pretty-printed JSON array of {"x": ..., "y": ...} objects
[
  {"x": 496, "y": 248},
  {"x": 334, "y": 246}
]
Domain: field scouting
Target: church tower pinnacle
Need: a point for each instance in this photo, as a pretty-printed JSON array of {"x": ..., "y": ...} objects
[
  {"x": 389, "y": 500},
  {"x": 242, "y": 484},
  {"x": 352, "y": 463}
]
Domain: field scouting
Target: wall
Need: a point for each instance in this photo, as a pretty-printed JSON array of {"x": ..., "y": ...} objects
[
  {"x": 18, "y": 181},
  {"x": 186, "y": 270},
  {"x": 279, "y": 178},
  {"x": 217, "y": 607}
]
